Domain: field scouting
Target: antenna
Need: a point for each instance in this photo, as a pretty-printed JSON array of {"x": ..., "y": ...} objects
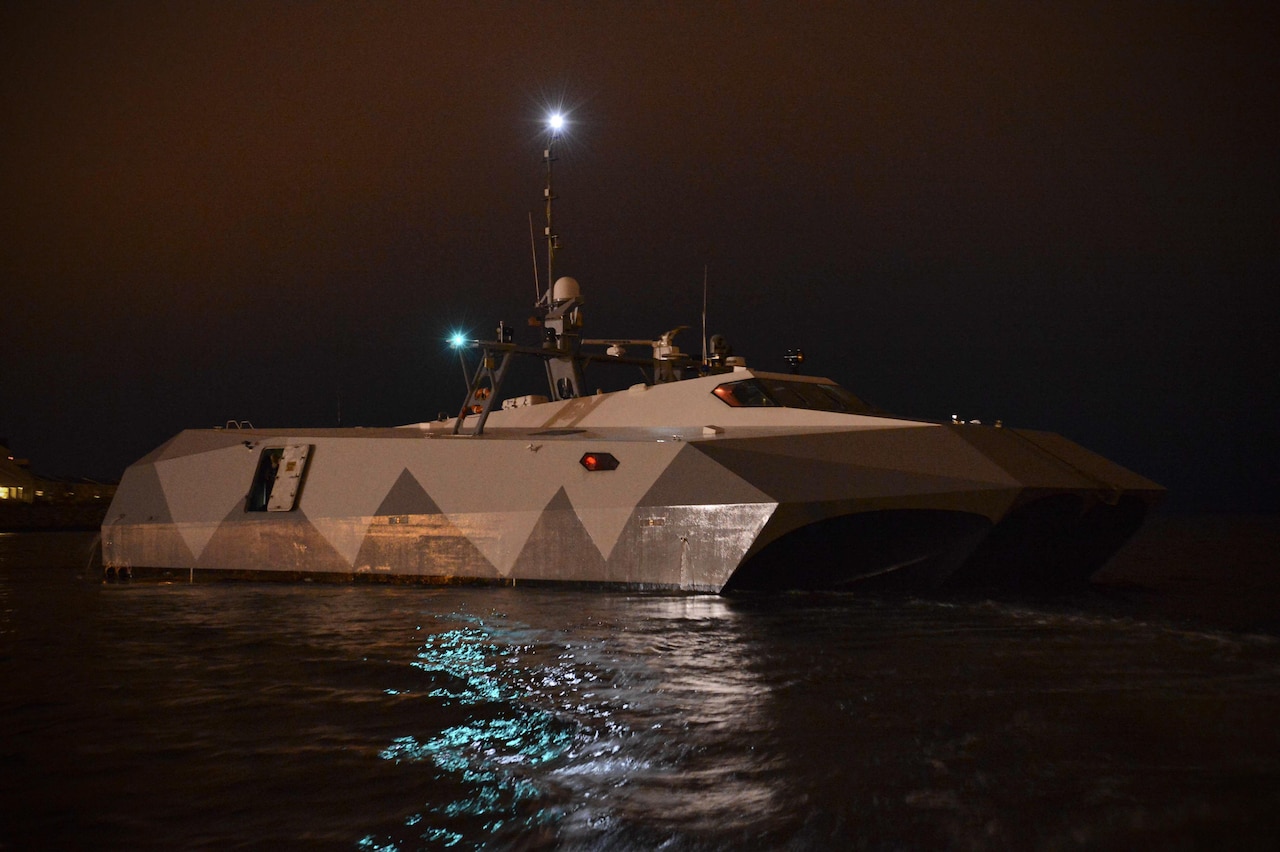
[
  {"x": 533, "y": 246},
  {"x": 555, "y": 123},
  {"x": 705, "y": 362}
]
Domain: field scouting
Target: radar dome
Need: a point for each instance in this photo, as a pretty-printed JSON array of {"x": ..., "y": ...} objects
[{"x": 565, "y": 288}]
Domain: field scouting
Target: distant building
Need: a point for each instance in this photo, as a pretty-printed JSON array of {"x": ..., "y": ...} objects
[
  {"x": 73, "y": 491},
  {"x": 17, "y": 484}
]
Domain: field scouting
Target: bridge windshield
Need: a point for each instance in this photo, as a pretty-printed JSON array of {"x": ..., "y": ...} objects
[{"x": 785, "y": 393}]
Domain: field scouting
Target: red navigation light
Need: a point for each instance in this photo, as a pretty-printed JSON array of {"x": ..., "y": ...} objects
[{"x": 598, "y": 461}]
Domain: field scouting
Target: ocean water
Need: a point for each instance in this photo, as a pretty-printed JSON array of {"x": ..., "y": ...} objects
[{"x": 247, "y": 716}]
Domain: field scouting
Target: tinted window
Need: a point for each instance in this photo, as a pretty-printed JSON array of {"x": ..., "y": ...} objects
[
  {"x": 754, "y": 393},
  {"x": 747, "y": 393}
]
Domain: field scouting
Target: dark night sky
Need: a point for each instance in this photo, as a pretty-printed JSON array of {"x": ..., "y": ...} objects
[{"x": 1064, "y": 216}]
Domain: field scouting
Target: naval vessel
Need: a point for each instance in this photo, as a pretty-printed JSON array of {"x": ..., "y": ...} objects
[{"x": 707, "y": 476}]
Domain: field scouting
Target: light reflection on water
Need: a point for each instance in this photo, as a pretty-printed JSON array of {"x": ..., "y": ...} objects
[
  {"x": 578, "y": 734},
  {"x": 216, "y": 716}
]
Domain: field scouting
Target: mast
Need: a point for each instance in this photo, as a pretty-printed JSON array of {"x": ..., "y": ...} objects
[
  {"x": 555, "y": 124},
  {"x": 561, "y": 305}
]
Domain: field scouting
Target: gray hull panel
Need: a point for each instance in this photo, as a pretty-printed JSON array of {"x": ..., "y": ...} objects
[{"x": 689, "y": 548}]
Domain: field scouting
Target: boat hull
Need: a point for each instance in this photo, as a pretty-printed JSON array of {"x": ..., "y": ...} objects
[{"x": 924, "y": 508}]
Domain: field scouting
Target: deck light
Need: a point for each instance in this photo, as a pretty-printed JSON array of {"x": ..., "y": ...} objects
[{"x": 598, "y": 461}]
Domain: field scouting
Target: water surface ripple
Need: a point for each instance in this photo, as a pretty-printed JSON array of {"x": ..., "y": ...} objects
[{"x": 383, "y": 718}]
